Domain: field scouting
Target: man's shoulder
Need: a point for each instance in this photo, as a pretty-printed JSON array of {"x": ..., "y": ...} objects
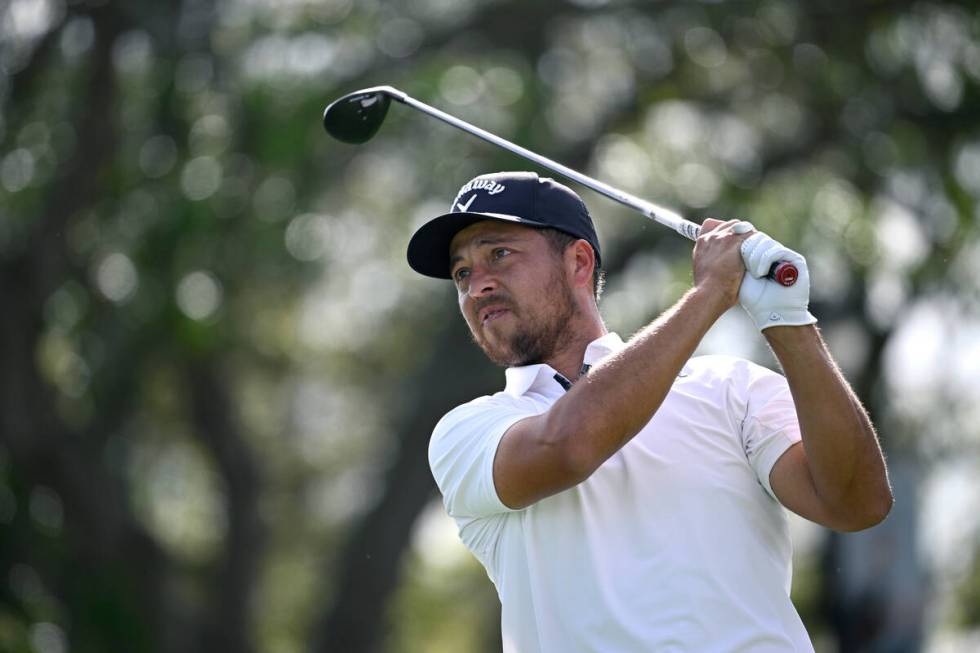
[
  {"x": 480, "y": 411},
  {"x": 475, "y": 426},
  {"x": 724, "y": 363},
  {"x": 485, "y": 403},
  {"x": 714, "y": 369}
]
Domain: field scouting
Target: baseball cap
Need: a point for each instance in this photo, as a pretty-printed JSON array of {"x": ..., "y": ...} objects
[{"x": 518, "y": 197}]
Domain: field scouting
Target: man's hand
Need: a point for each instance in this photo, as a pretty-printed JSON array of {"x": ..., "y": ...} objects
[
  {"x": 717, "y": 263},
  {"x": 769, "y": 303}
]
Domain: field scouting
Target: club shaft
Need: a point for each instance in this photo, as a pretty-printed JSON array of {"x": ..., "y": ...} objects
[
  {"x": 657, "y": 213},
  {"x": 783, "y": 272}
]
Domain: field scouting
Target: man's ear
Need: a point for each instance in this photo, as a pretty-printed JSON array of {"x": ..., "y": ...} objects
[{"x": 580, "y": 262}]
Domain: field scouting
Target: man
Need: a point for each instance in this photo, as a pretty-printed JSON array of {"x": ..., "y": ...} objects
[{"x": 625, "y": 496}]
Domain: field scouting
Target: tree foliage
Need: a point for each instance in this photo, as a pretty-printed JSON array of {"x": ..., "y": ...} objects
[{"x": 219, "y": 376}]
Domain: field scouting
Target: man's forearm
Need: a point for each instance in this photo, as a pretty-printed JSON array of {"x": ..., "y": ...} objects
[
  {"x": 618, "y": 397},
  {"x": 842, "y": 450}
]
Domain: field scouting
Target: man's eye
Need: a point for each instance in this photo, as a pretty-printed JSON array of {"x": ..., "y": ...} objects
[
  {"x": 461, "y": 274},
  {"x": 500, "y": 252}
]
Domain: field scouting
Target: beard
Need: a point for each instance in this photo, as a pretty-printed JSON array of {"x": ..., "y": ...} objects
[{"x": 543, "y": 328}]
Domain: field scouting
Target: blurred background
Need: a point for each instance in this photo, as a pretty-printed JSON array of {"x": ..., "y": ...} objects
[{"x": 218, "y": 376}]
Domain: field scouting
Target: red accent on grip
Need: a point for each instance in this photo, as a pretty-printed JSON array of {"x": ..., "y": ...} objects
[{"x": 784, "y": 273}]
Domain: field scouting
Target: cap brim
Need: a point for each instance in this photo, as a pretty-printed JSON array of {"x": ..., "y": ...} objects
[{"x": 428, "y": 250}]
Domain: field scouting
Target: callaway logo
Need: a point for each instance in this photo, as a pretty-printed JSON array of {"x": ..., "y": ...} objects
[{"x": 488, "y": 185}]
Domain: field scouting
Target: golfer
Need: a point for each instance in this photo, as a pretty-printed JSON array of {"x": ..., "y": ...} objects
[{"x": 624, "y": 496}]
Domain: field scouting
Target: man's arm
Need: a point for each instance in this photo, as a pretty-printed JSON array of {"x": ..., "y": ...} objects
[
  {"x": 542, "y": 455},
  {"x": 836, "y": 476}
]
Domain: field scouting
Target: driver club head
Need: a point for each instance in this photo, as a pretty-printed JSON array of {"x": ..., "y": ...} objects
[{"x": 357, "y": 116}]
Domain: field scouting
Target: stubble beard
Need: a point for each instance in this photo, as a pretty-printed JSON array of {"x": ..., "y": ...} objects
[{"x": 536, "y": 338}]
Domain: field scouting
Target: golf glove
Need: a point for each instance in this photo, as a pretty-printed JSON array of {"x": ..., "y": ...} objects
[{"x": 767, "y": 302}]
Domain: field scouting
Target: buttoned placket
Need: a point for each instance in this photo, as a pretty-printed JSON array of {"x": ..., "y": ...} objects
[
  {"x": 565, "y": 383},
  {"x": 522, "y": 379}
]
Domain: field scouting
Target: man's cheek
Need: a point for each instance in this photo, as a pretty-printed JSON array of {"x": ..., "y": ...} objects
[{"x": 472, "y": 324}]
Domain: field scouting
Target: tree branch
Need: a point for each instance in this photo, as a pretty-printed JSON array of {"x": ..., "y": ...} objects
[{"x": 225, "y": 625}]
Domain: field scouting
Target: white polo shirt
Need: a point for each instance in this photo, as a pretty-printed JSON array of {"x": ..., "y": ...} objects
[{"x": 676, "y": 543}]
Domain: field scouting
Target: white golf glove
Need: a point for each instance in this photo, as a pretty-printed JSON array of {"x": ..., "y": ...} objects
[{"x": 768, "y": 302}]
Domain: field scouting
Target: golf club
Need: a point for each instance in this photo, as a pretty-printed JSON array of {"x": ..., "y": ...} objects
[{"x": 357, "y": 116}]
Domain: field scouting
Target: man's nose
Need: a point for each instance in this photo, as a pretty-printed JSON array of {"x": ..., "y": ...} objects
[{"x": 482, "y": 282}]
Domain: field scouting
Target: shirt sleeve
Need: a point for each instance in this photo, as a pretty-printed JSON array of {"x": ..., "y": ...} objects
[
  {"x": 771, "y": 425},
  {"x": 461, "y": 454}
]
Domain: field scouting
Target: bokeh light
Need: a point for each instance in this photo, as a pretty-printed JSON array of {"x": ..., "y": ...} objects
[{"x": 220, "y": 372}]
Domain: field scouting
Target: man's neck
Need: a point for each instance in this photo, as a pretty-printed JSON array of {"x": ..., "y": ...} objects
[{"x": 568, "y": 362}]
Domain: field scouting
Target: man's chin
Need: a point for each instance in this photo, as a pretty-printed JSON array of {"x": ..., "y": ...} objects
[
  {"x": 508, "y": 355},
  {"x": 502, "y": 357}
]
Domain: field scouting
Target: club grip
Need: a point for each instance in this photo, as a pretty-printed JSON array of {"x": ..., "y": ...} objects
[{"x": 784, "y": 273}]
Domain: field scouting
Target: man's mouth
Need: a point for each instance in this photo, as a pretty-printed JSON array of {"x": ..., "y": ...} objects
[{"x": 491, "y": 313}]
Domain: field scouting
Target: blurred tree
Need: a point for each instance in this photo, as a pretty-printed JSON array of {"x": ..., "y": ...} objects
[{"x": 218, "y": 376}]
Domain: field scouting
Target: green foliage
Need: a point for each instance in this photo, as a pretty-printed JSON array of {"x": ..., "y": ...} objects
[
  {"x": 967, "y": 613},
  {"x": 217, "y": 363},
  {"x": 449, "y": 608}
]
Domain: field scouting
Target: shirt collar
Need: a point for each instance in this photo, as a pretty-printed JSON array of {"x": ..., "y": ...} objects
[
  {"x": 521, "y": 379},
  {"x": 602, "y": 347}
]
